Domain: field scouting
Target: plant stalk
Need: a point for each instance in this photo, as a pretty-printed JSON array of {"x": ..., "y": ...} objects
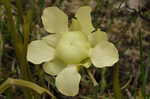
[
  {"x": 116, "y": 83},
  {"x": 103, "y": 80}
]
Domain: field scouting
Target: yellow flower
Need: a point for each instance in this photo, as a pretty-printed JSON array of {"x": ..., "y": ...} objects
[{"x": 67, "y": 48}]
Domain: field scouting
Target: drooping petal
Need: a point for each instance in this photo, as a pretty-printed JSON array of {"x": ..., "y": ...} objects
[
  {"x": 54, "y": 67},
  {"x": 98, "y": 36},
  {"x": 54, "y": 20},
  {"x": 38, "y": 52},
  {"x": 75, "y": 25},
  {"x": 51, "y": 39},
  {"x": 84, "y": 17},
  {"x": 67, "y": 81},
  {"x": 104, "y": 54}
]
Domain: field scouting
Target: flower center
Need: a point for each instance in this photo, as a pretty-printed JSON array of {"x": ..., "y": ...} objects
[{"x": 73, "y": 47}]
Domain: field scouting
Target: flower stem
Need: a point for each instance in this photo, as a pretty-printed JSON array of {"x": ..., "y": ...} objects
[
  {"x": 103, "y": 80},
  {"x": 116, "y": 83}
]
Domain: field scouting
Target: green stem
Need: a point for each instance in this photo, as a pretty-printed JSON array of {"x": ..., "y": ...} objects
[
  {"x": 1, "y": 49},
  {"x": 27, "y": 27},
  {"x": 116, "y": 83},
  {"x": 103, "y": 80},
  {"x": 19, "y": 10}
]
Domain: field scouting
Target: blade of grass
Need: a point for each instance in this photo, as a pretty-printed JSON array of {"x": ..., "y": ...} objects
[
  {"x": 1, "y": 48},
  {"x": 10, "y": 82}
]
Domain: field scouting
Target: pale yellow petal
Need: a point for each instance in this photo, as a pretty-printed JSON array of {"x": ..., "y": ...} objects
[
  {"x": 38, "y": 52},
  {"x": 75, "y": 25},
  {"x": 104, "y": 54},
  {"x": 67, "y": 81},
  {"x": 54, "y": 67},
  {"x": 51, "y": 39},
  {"x": 97, "y": 37},
  {"x": 84, "y": 17},
  {"x": 54, "y": 20},
  {"x": 73, "y": 47}
]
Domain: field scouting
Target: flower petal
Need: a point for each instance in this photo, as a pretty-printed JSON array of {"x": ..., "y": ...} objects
[
  {"x": 75, "y": 25},
  {"x": 39, "y": 51},
  {"x": 54, "y": 67},
  {"x": 84, "y": 18},
  {"x": 104, "y": 54},
  {"x": 51, "y": 39},
  {"x": 54, "y": 20},
  {"x": 68, "y": 81},
  {"x": 73, "y": 47},
  {"x": 97, "y": 37}
]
